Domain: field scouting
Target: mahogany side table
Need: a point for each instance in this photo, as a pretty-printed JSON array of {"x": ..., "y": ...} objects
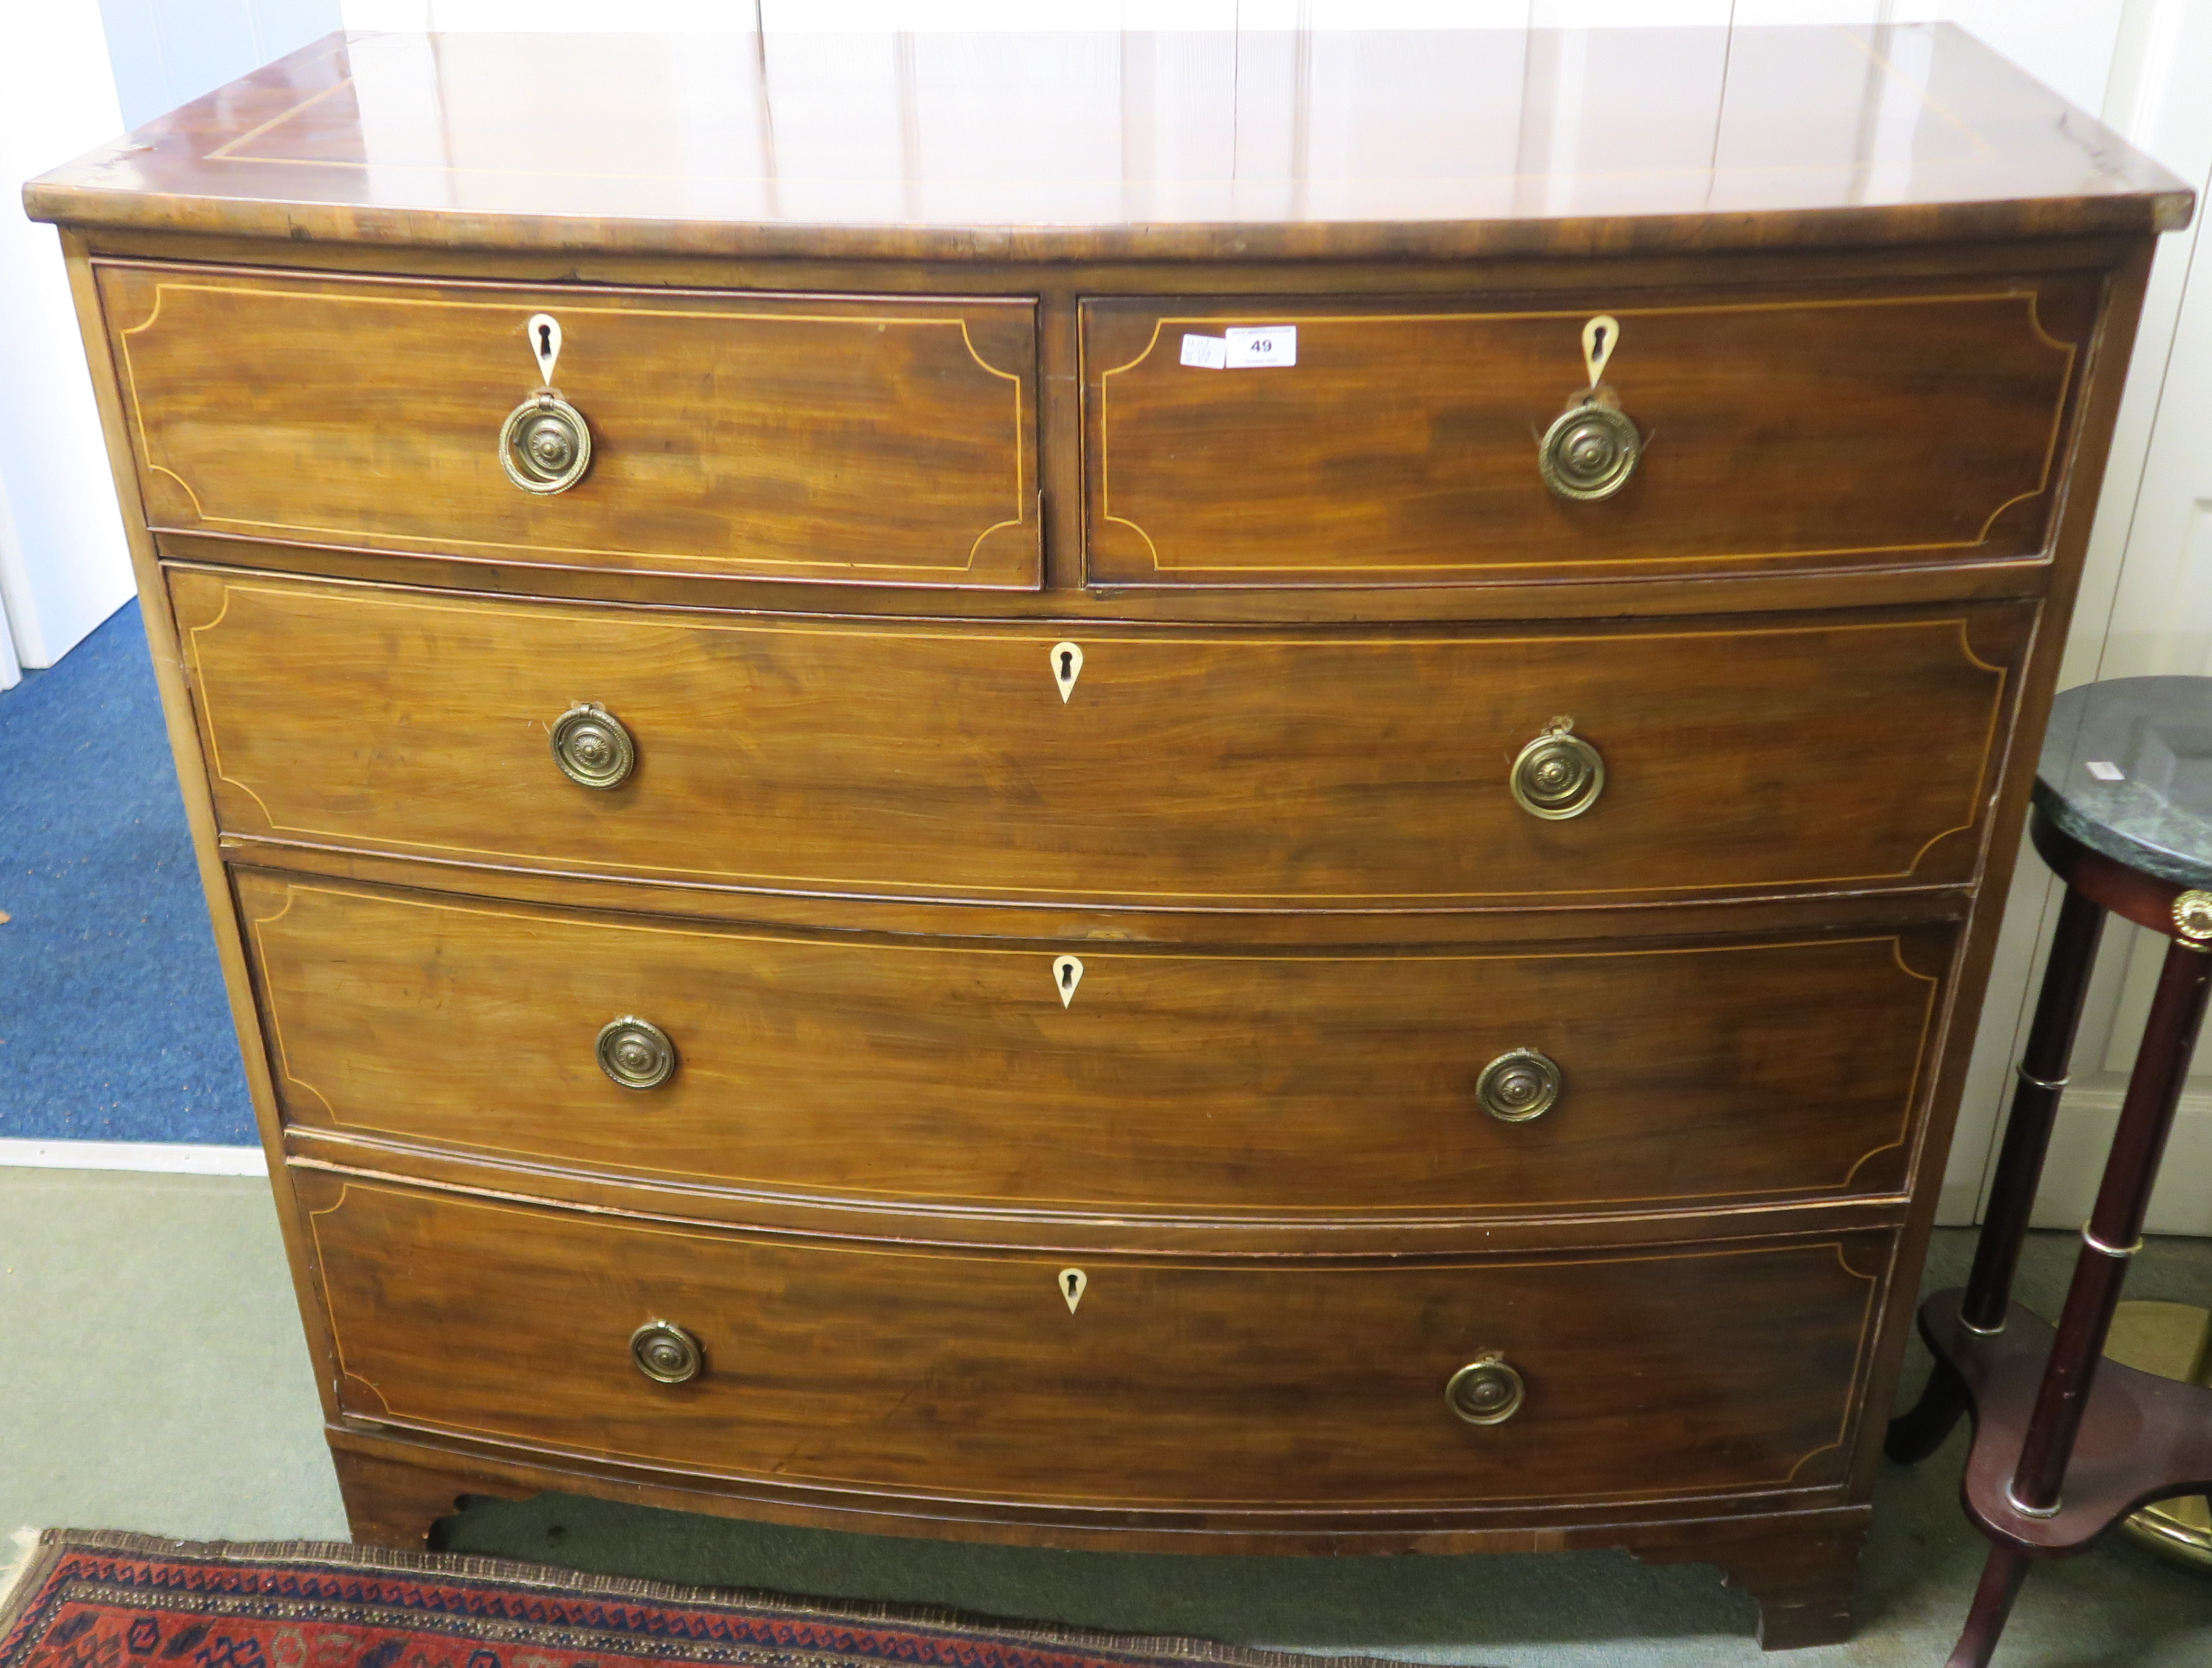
[{"x": 2066, "y": 1443}]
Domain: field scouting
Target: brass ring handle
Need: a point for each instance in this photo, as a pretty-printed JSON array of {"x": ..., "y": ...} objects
[
  {"x": 1589, "y": 451},
  {"x": 1558, "y": 774},
  {"x": 1486, "y": 1391},
  {"x": 592, "y": 748},
  {"x": 636, "y": 1052},
  {"x": 665, "y": 1353},
  {"x": 545, "y": 445},
  {"x": 1520, "y": 1084}
]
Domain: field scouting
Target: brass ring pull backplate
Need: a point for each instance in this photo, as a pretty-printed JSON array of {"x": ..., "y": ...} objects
[
  {"x": 1518, "y": 1085},
  {"x": 1486, "y": 1391},
  {"x": 1589, "y": 451},
  {"x": 665, "y": 1353},
  {"x": 546, "y": 445},
  {"x": 1558, "y": 774},
  {"x": 592, "y": 748},
  {"x": 636, "y": 1052}
]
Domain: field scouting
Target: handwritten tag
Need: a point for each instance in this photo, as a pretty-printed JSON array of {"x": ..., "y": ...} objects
[
  {"x": 1208, "y": 353},
  {"x": 1250, "y": 348},
  {"x": 2105, "y": 771}
]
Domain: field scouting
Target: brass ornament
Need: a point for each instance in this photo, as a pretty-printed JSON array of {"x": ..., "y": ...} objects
[
  {"x": 592, "y": 748},
  {"x": 1588, "y": 452},
  {"x": 2192, "y": 917},
  {"x": 665, "y": 1353},
  {"x": 545, "y": 444},
  {"x": 1486, "y": 1391},
  {"x": 1520, "y": 1084},
  {"x": 1558, "y": 774},
  {"x": 1591, "y": 448},
  {"x": 636, "y": 1052}
]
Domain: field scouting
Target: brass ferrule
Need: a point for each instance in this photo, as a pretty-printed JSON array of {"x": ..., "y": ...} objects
[
  {"x": 2096, "y": 1244},
  {"x": 2014, "y": 1500}
]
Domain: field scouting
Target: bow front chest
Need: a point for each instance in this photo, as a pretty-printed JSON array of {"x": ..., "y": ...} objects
[{"x": 1184, "y": 792}]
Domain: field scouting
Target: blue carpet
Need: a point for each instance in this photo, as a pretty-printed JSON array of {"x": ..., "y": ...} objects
[{"x": 114, "y": 1025}]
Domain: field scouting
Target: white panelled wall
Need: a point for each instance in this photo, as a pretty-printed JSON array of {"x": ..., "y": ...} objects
[
  {"x": 167, "y": 52},
  {"x": 64, "y": 567},
  {"x": 2146, "y": 604},
  {"x": 2145, "y": 608}
]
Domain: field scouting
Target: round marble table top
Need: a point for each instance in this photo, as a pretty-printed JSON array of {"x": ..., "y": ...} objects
[{"x": 2127, "y": 770}]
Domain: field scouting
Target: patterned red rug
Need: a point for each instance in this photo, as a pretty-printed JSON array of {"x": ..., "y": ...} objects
[{"x": 92, "y": 1599}]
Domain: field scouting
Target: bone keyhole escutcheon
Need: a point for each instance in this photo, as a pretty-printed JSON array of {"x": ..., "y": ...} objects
[
  {"x": 1072, "y": 1281},
  {"x": 545, "y": 344},
  {"x": 1066, "y": 974},
  {"x": 1599, "y": 336},
  {"x": 1066, "y": 667}
]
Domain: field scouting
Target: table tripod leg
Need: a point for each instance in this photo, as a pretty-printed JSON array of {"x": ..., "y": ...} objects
[
  {"x": 1993, "y": 1601},
  {"x": 1915, "y": 1434}
]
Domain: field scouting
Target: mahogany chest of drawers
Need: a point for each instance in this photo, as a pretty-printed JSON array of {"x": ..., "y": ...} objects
[{"x": 1005, "y": 802}]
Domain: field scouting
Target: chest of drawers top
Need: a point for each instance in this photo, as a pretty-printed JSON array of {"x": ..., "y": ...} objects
[{"x": 987, "y": 150}]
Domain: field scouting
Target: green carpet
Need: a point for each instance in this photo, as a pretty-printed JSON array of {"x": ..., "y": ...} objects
[{"x": 152, "y": 1378}]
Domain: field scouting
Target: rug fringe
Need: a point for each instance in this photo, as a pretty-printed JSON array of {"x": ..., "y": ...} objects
[
  {"x": 347, "y": 1555},
  {"x": 22, "y": 1555},
  {"x": 21, "y": 1544}
]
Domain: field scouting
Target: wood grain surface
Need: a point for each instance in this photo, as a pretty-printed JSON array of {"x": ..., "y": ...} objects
[
  {"x": 944, "y": 1069},
  {"x": 828, "y": 438},
  {"x": 1320, "y": 769},
  {"x": 1780, "y": 430},
  {"x": 1728, "y": 1367},
  {"x": 1250, "y": 145}
]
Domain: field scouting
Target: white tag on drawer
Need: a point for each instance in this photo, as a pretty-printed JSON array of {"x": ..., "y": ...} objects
[
  {"x": 1252, "y": 348},
  {"x": 1208, "y": 353}
]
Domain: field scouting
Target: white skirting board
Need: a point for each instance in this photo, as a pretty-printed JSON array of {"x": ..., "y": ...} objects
[{"x": 165, "y": 1157}]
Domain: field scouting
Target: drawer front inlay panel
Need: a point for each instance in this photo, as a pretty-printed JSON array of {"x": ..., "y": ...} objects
[
  {"x": 1724, "y": 1368},
  {"x": 1318, "y": 769},
  {"x": 765, "y": 436},
  {"x": 1403, "y": 444},
  {"x": 1174, "y": 1082}
]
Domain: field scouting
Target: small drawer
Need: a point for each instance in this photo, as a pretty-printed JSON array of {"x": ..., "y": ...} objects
[
  {"x": 1098, "y": 1381},
  {"x": 1765, "y": 431},
  {"x": 794, "y": 437},
  {"x": 1076, "y": 1078},
  {"x": 1315, "y": 769}
]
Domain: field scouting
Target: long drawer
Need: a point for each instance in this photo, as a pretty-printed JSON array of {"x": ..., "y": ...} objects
[
  {"x": 777, "y": 436},
  {"x": 1778, "y": 430},
  {"x": 1620, "y": 1079},
  {"x": 1182, "y": 768},
  {"x": 1131, "y": 1381}
]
